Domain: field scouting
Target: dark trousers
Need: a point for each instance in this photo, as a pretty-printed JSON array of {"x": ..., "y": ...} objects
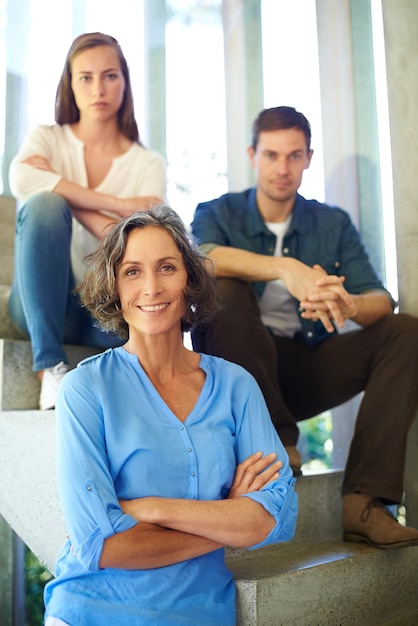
[{"x": 299, "y": 382}]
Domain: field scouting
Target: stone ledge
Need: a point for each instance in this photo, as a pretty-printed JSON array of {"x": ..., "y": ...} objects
[
  {"x": 7, "y": 265},
  {"x": 7, "y": 237},
  {"x": 327, "y": 582},
  {"x": 7, "y": 209},
  {"x": 19, "y": 385},
  {"x": 7, "y": 329},
  {"x": 28, "y": 496}
]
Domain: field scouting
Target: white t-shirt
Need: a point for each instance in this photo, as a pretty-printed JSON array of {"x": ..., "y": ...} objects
[
  {"x": 278, "y": 311},
  {"x": 137, "y": 172}
]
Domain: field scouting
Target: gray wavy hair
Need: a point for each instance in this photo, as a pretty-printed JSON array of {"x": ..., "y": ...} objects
[{"x": 98, "y": 292}]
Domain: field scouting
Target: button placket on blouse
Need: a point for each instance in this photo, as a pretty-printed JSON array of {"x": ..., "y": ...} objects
[{"x": 192, "y": 462}]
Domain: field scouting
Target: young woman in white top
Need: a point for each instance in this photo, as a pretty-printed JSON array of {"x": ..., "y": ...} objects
[{"x": 76, "y": 178}]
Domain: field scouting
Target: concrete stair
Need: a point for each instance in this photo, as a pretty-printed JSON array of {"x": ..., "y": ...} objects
[
  {"x": 7, "y": 237},
  {"x": 19, "y": 385},
  {"x": 326, "y": 582},
  {"x": 315, "y": 580}
]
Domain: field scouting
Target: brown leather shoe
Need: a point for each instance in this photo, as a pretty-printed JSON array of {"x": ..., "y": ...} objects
[
  {"x": 295, "y": 460},
  {"x": 367, "y": 520}
]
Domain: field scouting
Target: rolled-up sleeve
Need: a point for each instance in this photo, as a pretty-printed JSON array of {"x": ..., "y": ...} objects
[
  {"x": 86, "y": 487},
  {"x": 257, "y": 433},
  {"x": 283, "y": 506}
]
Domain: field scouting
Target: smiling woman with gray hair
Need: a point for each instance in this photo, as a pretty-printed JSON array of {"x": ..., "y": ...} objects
[
  {"x": 99, "y": 294},
  {"x": 164, "y": 456}
]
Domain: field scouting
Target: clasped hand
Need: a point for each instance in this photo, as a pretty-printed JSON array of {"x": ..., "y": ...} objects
[
  {"x": 322, "y": 296},
  {"x": 330, "y": 301}
]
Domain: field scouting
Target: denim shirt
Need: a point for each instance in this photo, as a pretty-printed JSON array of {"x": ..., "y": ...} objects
[{"x": 318, "y": 233}]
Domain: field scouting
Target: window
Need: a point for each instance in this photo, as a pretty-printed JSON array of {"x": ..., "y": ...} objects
[
  {"x": 195, "y": 100},
  {"x": 291, "y": 73}
]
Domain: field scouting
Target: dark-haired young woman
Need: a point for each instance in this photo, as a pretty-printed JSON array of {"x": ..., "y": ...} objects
[{"x": 75, "y": 178}]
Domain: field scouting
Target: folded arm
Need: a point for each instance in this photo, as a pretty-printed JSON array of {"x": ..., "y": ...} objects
[
  {"x": 91, "y": 200},
  {"x": 239, "y": 523},
  {"x": 172, "y": 530},
  {"x": 147, "y": 546},
  {"x": 80, "y": 197}
]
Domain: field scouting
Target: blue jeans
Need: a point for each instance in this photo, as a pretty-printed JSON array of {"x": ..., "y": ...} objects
[{"x": 42, "y": 304}]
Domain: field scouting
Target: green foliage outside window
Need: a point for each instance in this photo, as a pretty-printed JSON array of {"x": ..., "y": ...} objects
[
  {"x": 36, "y": 577},
  {"x": 315, "y": 443}
]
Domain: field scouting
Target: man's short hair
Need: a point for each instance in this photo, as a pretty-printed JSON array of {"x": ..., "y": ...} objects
[{"x": 280, "y": 118}]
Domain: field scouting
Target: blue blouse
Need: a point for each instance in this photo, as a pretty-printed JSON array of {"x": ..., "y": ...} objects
[{"x": 117, "y": 439}]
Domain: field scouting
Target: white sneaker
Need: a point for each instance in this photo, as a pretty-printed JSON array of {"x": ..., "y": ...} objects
[{"x": 50, "y": 384}]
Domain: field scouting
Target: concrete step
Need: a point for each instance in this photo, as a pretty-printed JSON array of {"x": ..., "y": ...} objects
[
  {"x": 7, "y": 329},
  {"x": 7, "y": 237},
  {"x": 19, "y": 385},
  {"x": 326, "y": 583},
  {"x": 320, "y": 506},
  {"x": 407, "y": 619}
]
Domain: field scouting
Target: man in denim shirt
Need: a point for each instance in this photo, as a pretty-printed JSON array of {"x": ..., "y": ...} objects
[{"x": 291, "y": 272}]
